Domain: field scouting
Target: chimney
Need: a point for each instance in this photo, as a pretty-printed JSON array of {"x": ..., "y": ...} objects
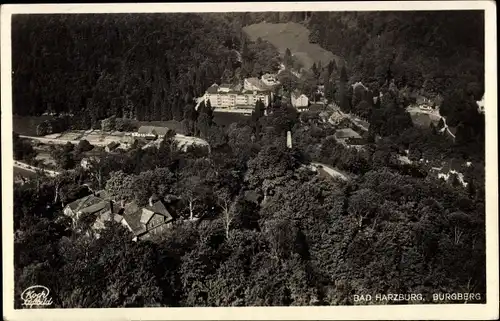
[
  {"x": 151, "y": 200},
  {"x": 289, "y": 139}
]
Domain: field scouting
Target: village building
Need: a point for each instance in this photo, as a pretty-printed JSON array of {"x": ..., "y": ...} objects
[
  {"x": 151, "y": 132},
  {"x": 98, "y": 208},
  {"x": 93, "y": 204},
  {"x": 348, "y": 137},
  {"x": 86, "y": 162},
  {"x": 148, "y": 221},
  {"x": 270, "y": 80},
  {"x": 480, "y": 105},
  {"x": 299, "y": 100},
  {"x": 254, "y": 84},
  {"x": 111, "y": 146},
  {"x": 229, "y": 97}
]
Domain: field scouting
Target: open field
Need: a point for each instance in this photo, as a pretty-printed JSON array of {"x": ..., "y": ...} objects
[{"x": 293, "y": 36}]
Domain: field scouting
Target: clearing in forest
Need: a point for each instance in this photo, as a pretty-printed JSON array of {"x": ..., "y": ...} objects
[{"x": 294, "y": 36}]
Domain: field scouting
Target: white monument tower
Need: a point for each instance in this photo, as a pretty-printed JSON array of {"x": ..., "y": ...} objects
[{"x": 289, "y": 139}]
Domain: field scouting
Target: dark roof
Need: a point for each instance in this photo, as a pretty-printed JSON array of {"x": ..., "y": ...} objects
[
  {"x": 225, "y": 85},
  {"x": 213, "y": 89},
  {"x": 113, "y": 144},
  {"x": 346, "y": 133},
  {"x": 159, "y": 207},
  {"x": 102, "y": 205},
  {"x": 132, "y": 215},
  {"x": 137, "y": 217},
  {"x": 84, "y": 202}
]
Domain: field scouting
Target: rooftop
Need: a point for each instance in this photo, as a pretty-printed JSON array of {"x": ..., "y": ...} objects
[
  {"x": 346, "y": 133},
  {"x": 213, "y": 89},
  {"x": 84, "y": 202},
  {"x": 256, "y": 82},
  {"x": 158, "y": 130}
]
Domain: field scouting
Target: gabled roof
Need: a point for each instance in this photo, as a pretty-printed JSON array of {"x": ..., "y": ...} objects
[
  {"x": 132, "y": 216},
  {"x": 84, "y": 202},
  {"x": 137, "y": 217},
  {"x": 159, "y": 207},
  {"x": 147, "y": 214},
  {"x": 296, "y": 94},
  {"x": 102, "y": 205},
  {"x": 213, "y": 89}
]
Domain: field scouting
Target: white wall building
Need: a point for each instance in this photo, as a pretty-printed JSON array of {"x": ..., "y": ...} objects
[
  {"x": 223, "y": 98},
  {"x": 299, "y": 100},
  {"x": 270, "y": 80},
  {"x": 480, "y": 105}
]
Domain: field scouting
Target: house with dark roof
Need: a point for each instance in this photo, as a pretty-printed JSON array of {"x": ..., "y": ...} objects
[
  {"x": 88, "y": 205},
  {"x": 97, "y": 209},
  {"x": 111, "y": 146},
  {"x": 148, "y": 221}
]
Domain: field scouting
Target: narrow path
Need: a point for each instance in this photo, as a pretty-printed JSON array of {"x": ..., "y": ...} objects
[
  {"x": 34, "y": 169},
  {"x": 330, "y": 171}
]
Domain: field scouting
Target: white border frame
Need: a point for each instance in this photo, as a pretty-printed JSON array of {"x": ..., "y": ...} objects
[{"x": 408, "y": 312}]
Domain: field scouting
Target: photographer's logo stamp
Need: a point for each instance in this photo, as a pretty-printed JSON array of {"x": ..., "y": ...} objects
[{"x": 36, "y": 296}]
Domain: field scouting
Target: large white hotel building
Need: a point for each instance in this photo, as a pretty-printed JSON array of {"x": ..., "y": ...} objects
[{"x": 234, "y": 97}]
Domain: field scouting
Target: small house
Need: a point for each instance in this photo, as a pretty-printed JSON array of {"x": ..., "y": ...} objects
[
  {"x": 345, "y": 133},
  {"x": 299, "y": 100},
  {"x": 111, "y": 146},
  {"x": 151, "y": 132},
  {"x": 270, "y": 79},
  {"x": 145, "y": 222}
]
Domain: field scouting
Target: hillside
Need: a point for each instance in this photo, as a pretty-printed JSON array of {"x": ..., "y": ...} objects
[
  {"x": 141, "y": 66},
  {"x": 429, "y": 52},
  {"x": 293, "y": 36}
]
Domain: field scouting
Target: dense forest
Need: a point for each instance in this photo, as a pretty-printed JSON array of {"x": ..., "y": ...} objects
[
  {"x": 266, "y": 230},
  {"x": 146, "y": 67},
  {"x": 269, "y": 231}
]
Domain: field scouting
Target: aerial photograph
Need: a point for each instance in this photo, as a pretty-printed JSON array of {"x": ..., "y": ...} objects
[{"x": 252, "y": 159}]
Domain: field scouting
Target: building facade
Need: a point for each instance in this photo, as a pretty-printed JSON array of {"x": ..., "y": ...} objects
[
  {"x": 299, "y": 100},
  {"x": 270, "y": 80},
  {"x": 221, "y": 97}
]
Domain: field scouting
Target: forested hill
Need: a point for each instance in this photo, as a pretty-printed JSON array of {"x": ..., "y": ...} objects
[
  {"x": 146, "y": 66},
  {"x": 433, "y": 52}
]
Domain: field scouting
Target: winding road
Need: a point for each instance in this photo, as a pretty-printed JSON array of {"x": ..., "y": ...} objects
[{"x": 34, "y": 169}]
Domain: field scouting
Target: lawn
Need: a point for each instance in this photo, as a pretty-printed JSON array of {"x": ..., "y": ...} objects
[{"x": 293, "y": 36}]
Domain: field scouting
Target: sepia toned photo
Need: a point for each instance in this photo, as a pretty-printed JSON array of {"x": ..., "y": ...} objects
[{"x": 248, "y": 158}]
